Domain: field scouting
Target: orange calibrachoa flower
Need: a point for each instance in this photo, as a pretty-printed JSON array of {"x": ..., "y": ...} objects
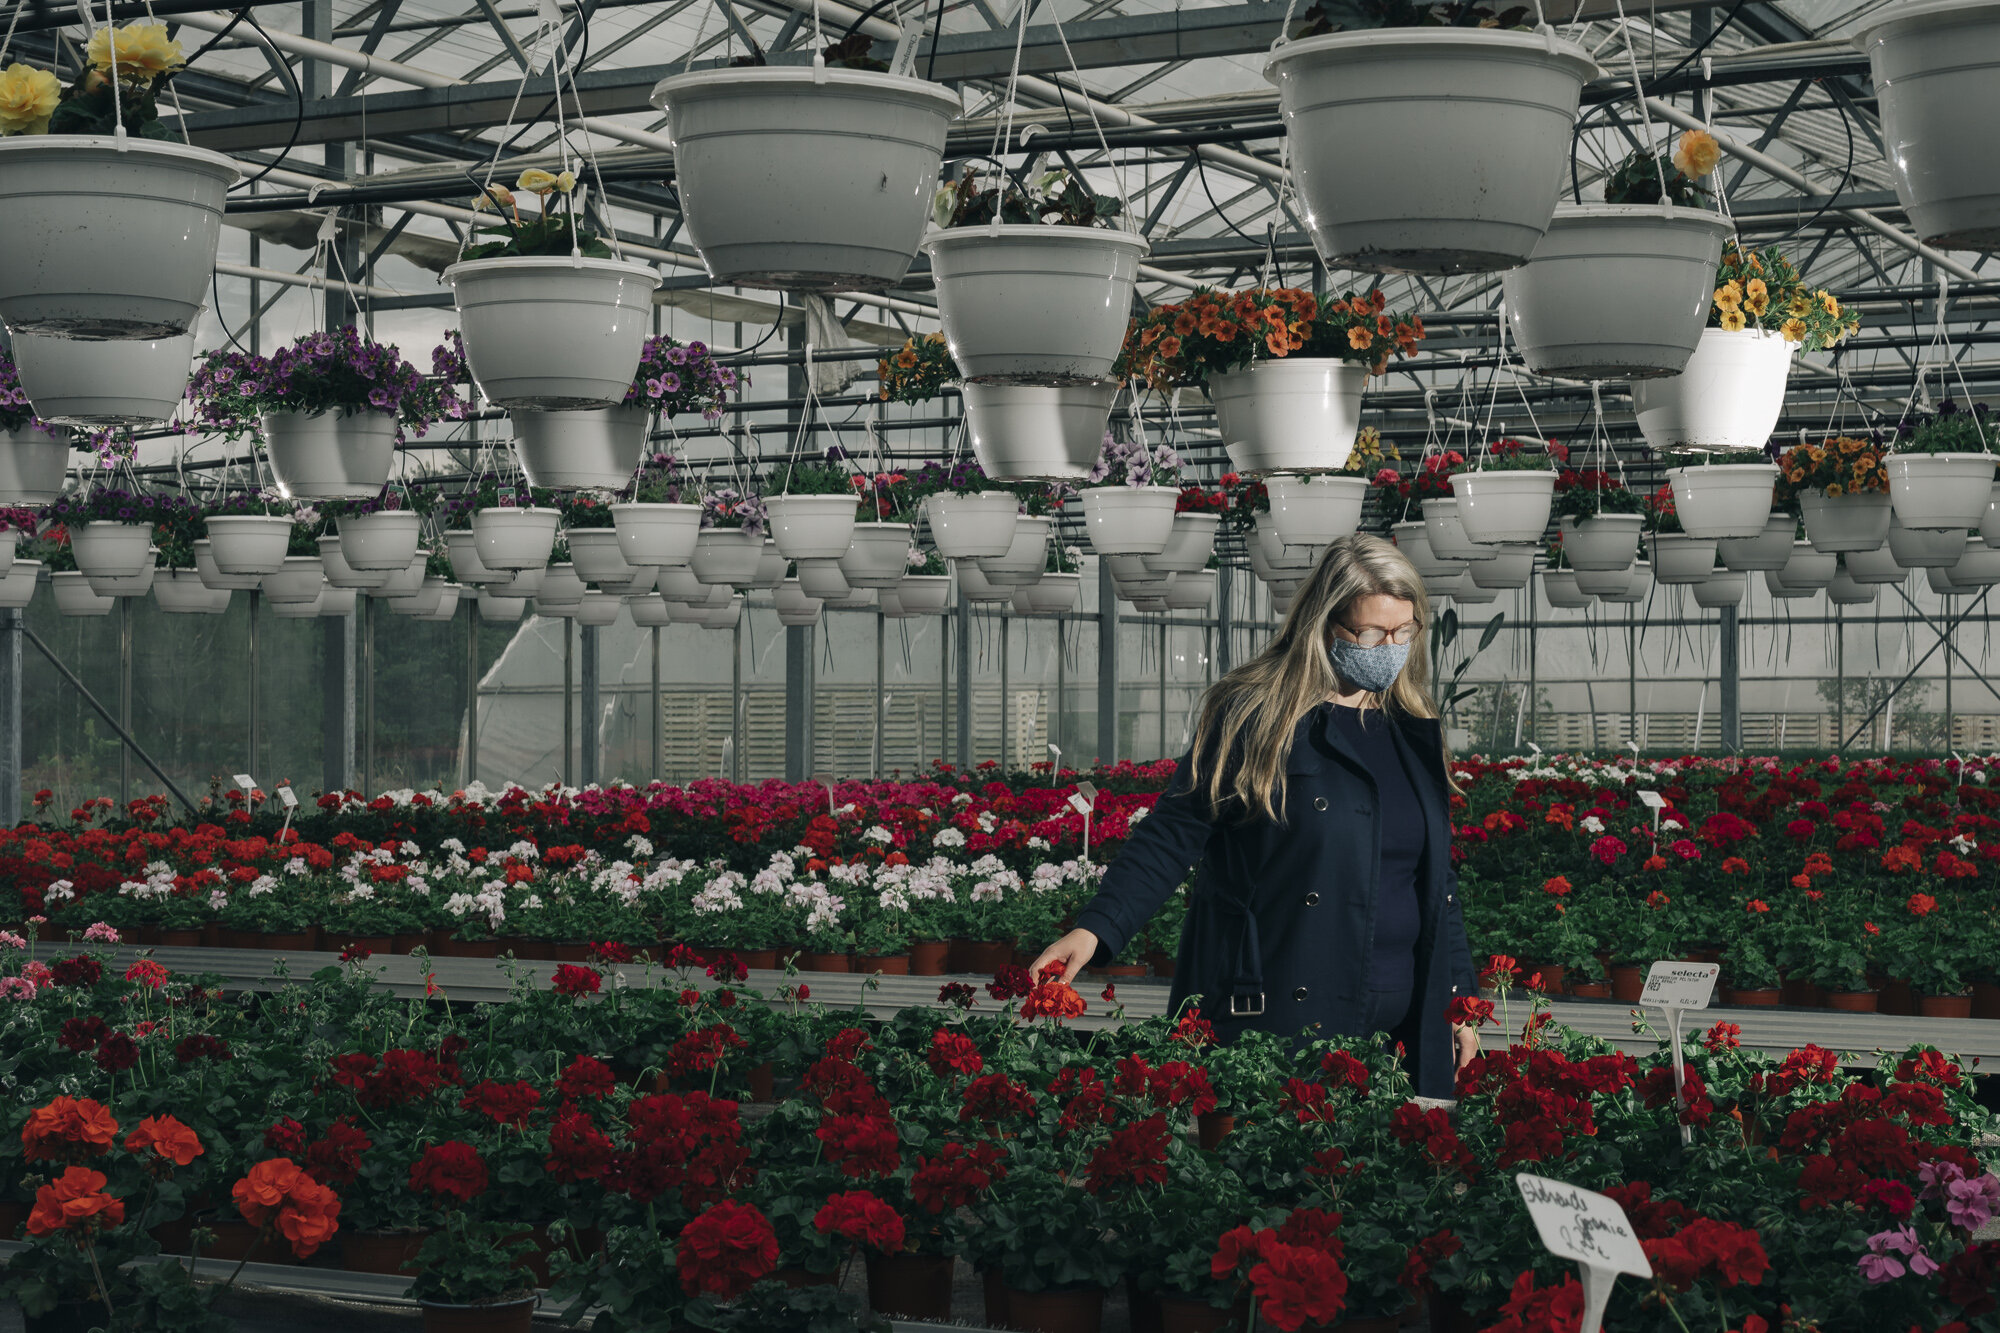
[
  {"x": 75, "y": 1200},
  {"x": 1184, "y": 343},
  {"x": 278, "y": 1194},
  {"x": 168, "y": 1137},
  {"x": 68, "y": 1129}
]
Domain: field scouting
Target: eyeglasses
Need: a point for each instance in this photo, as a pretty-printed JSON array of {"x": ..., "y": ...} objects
[{"x": 1375, "y": 638}]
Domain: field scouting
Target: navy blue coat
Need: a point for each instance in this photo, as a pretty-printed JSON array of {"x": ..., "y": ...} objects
[{"x": 1286, "y": 912}]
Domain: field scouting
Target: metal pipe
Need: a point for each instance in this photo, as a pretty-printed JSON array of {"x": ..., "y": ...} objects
[
  {"x": 658, "y": 712},
  {"x": 255, "y": 598},
  {"x": 10, "y": 717},
  {"x": 471, "y": 693},
  {"x": 736, "y": 702},
  {"x": 125, "y": 698},
  {"x": 569, "y": 701},
  {"x": 312, "y": 280},
  {"x": 881, "y": 653},
  {"x": 367, "y": 695},
  {"x": 77, "y": 684}
]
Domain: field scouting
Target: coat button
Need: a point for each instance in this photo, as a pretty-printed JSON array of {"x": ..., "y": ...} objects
[
  {"x": 1319, "y": 802},
  {"x": 1450, "y": 898},
  {"x": 1312, "y": 900},
  {"x": 1299, "y": 995}
]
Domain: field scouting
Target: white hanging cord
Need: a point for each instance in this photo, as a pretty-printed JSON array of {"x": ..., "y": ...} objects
[
  {"x": 1090, "y": 106},
  {"x": 1003, "y": 133},
  {"x": 700, "y": 31},
  {"x": 117, "y": 98},
  {"x": 1639, "y": 95},
  {"x": 8, "y": 40}
]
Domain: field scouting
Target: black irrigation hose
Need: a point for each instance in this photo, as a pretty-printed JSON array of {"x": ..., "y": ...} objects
[{"x": 298, "y": 98}]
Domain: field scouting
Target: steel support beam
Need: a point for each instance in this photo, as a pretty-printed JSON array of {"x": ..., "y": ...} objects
[
  {"x": 1107, "y": 666},
  {"x": 588, "y": 724},
  {"x": 11, "y": 629},
  {"x": 799, "y": 701},
  {"x": 1729, "y": 667}
]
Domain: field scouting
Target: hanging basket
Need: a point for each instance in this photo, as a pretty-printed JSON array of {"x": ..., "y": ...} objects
[
  {"x": 1607, "y": 541},
  {"x": 811, "y": 527},
  {"x": 107, "y": 237},
  {"x": 104, "y": 384},
  {"x": 1917, "y": 548},
  {"x": 1724, "y": 587},
  {"x": 794, "y": 606},
  {"x": 1978, "y": 566},
  {"x": 823, "y": 579},
  {"x": 1616, "y": 291},
  {"x": 1933, "y": 491},
  {"x": 1845, "y": 522},
  {"x": 1509, "y": 567},
  {"x": 1638, "y": 586},
  {"x": 127, "y": 585},
  {"x": 17, "y": 587},
  {"x": 1728, "y": 396},
  {"x": 1723, "y": 500},
  {"x": 525, "y": 583},
  {"x": 1846, "y": 590},
  {"x": 1286, "y": 561},
  {"x": 553, "y": 332},
  {"x": 1129, "y": 520},
  {"x": 595, "y": 610},
  {"x": 404, "y": 582},
  {"x": 1446, "y": 534},
  {"x": 1192, "y": 591},
  {"x": 383, "y": 540},
  {"x": 593, "y": 449},
  {"x": 1190, "y": 546},
  {"x": 1053, "y": 595},
  {"x": 181, "y": 592},
  {"x": 974, "y": 586},
  {"x": 111, "y": 550},
  {"x": 1025, "y": 559},
  {"x": 340, "y": 574},
  {"x": 32, "y": 464},
  {"x": 1026, "y": 433},
  {"x": 213, "y": 578},
  {"x": 1936, "y": 68},
  {"x": 1679, "y": 558},
  {"x": 330, "y": 455},
  {"x": 727, "y": 616},
  {"x": 298, "y": 580},
  {"x": 1024, "y": 303},
  {"x": 1774, "y": 583},
  {"x": 1504, "y": 506},
  {"x": 965, "y": 524},
  {"x": 656, "y": 535},
  {"x": 559, "y": 586},
  {"x": 306, "y": 610},
  {"x": 1876, "y": 566},
  {"x": 1560, "y": 588},
  {"x": 1809, "y": 568},
  {"x": 1769, "y": 549},
  {"x": 10, "y": 541},
  {"x": 726, "y": 556},
  {"x": 926, "y": 594},
  {"x": 1428, "y": 150},
  {"x": 1413, "y": 541},
  {"x": 598, "y": 559},
  {"x": 74, "y": 596},
  {"x": 1605, "y": 583},
  {"x": 509, "y": 539},
  {"x": 806, "y": 179},
  {"x": 1289, "y": 414},
  {"x": 1312, "y": 511},
  {"x": 249, "y": 543},
  {"x": 880, "y": 555},
  {"x": 497, "y": 610},
  {"x": 461, "y": 544}
]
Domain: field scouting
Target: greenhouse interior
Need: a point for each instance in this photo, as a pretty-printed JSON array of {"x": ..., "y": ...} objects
[{"x": 1063, "y": 666}]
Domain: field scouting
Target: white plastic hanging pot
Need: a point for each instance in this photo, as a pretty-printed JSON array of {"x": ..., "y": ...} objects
[
  {"x": 10, "y": 541},
  {"x": 880, "y": 555},
  {"x": 74, "y": 596},
  {"x": 1504, "y": 506},
  {"x": 811, "y": 527},
  {"x": 107, "y": 237},
  {"x": 560, "y": 586},
  {"x": 17, "y": 588},
  {"x": 126, "y": 585},
  {"x": 928, "y": 594},
  {"x": 421, "y": 600},
  {"x": 1728, "y": 396},
  {"x": 1917, "y": 548},
  {"x": 1638, "y": 585},
  {"x": 598, "y": 557},
  {"x": 404, "y": 582},
  {"x": 792, "y": 601},
  {"x": 306, "y": 610},
  {"x": 32, "y": 464},
  {"x": 822, "y": 580},
  {"x": 1616, "y": 291},
  {"x": 525, "y": 583},
  {"x": 803, "y": 178},
  {"x": 1129, "y": 520},
  {"x": 497, "y": 610},
  {"x": 1876, "y": 566},
  {"x": 1769, "y": 549},
  {"x": 510, "y": 538},
  {"x": 974, "y": 586},
  {"x": 461, "y": 543},
  {"x": 1978, "y": 566},
  {"x": 585, "y": 449},
  {"x": 1289, "y": 414},
  {"x": 340, "y": 574},
  {"x": 657, "y": 535},
  {"x": 1029, "y": 433},
  {"x": 337, "y": 603},
  {"x": 1604, "y": 583},
  {"x": 553, "y": 332},
  {"x": 726, "y": 555},
  {"x": 770, "y": 568},
  {"x": 1845, "y": 522},
  {"x": 1679, "y": 558},
  {"x": 214, "y": 579},
  {"x": 1940, "y": 490},
  {"x": 1467, "y": 593},
  {"x": 104, "y": 383},
  {"x": 1936, "y": 68},
  {"x": 1053, "y": 595},
  {"x": 298, "y": 581},
  {"x": 1311, "y": 511},
  {"x": 1809, "y": 568},
  {"x": 726, "y": 616},
  {"x": 1846, "y": 590},
  {"x": 1413, "y": 541},
  {"x": 1989, "y": 522},
  {"x": 1724, "y": 587},
  {"x": 181, "y": 592},
  {"x": 598, "y": 609},
  {"x": 1774, "y": 583},
  {"x": 111, "y": 550},
  {"x": 249, "y": 543},
  {"x": 1559, "y": 587},
  {"x": 1510, "y": 567},
  {"x": 1722, "y": 500},
  {"x": 1607, "y": 541},
  {"x": 447, "y": 604},
  {"x": 330, "y": 455},
  {"x": 1023, "y": 303},
  {"x": 1188, "y": 548},
  {"x": 1024, "y": 561},
  {"x": 965, "y": 524},
  {"x": 1459, "y": 135},
  {"x": 1192, "y": 591},
  {"x": 1286, "y": 561},
  {"x": 1446, "y": 534},
  {"x": 890, "y": 605},
  {"x": 385, "y": 539}
]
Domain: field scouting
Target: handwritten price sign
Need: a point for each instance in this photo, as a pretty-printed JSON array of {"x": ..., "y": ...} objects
[{"x": 1589, "y": 1228}]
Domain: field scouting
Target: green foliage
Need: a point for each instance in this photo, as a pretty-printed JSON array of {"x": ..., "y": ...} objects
[{"x": 1060, "y": 197}]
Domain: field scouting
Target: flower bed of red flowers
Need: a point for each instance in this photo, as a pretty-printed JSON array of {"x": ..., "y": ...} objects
[
  {"x": 566, "y": 1129},
  {"x": 1835, "y": 876}
]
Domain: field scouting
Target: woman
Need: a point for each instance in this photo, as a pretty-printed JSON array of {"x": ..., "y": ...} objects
[{"x": 1314, "y": 809}]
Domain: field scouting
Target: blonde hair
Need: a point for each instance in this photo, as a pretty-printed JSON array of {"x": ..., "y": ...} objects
[{"x": 1248, "y": 718}]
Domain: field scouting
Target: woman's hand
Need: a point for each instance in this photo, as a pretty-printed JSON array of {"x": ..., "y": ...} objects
[
  {"x": 1074, "y": 951},
  {"x": 1464, "y": 1044}
]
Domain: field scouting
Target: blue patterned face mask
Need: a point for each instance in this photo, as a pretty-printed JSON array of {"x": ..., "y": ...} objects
[{"x": 1373, "y": 669}]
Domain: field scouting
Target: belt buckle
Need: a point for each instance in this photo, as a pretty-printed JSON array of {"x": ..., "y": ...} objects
[{"x": 1240, "y": 1006}]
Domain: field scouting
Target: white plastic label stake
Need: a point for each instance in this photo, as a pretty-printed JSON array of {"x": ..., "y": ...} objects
[
  {"x": 291, "y": 802},
  {"x": 1674, "y": 988},
  {"x": 1536, "y": 748},
  {"x": 246, "y": 782},
  {"x": 1078, "y": 804},
  {"x": 1590, "y": 1229},
  {"x": 1655, "y": 802},
  {"x": 1084, "y": 800},
  {"x": 826, "y": 782}
]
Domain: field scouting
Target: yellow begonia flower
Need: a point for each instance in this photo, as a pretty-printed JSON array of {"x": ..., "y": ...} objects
[
  {"x": 27, "y": 97},
  {"x": 493, "y": 196},
  {"x": 1696, "y": 154},
  {"x": 536, "y": 181},
  {"x": 565, "y": 182},
  {"x": 143, "y": 50}
]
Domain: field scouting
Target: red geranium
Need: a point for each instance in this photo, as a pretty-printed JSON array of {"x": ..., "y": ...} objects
[
  {"x": 954, "y": 1053},
  {"x": 569, "y": 979},
  {"x": 585, "y": 1078},
  {"x": 860, "y": 1217},
  {"x": 450, "y": 1170},
  {"x": 502, "y": 1103},
  {"x": 725, "y": 1251}
]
